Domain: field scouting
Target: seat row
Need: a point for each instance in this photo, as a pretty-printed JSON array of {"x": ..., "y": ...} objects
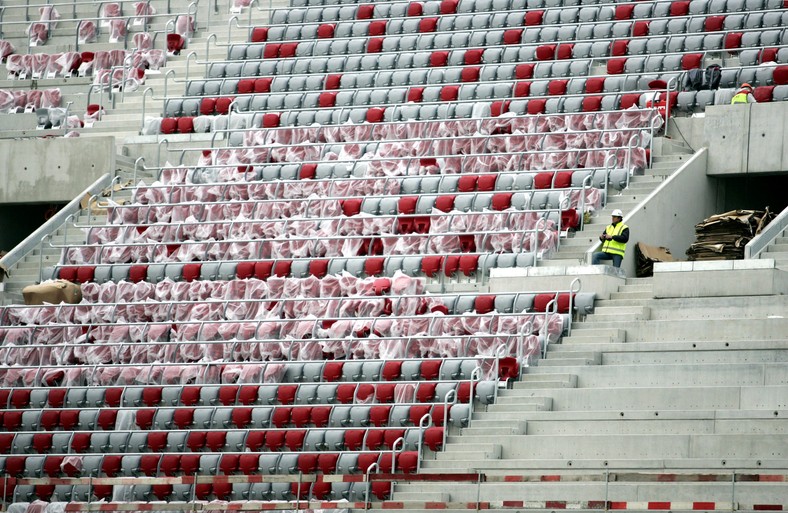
[
  {"x": 525, "y": 234},
  {"x": 563, "y": 25},
  {"x": 318, "y": 10},
  {"x": 391, "y": 372},
  {"x": 330, "y": 179},
  {"x": 470, "y": 82},
  {"x": 27, "y": 101},
  {"x": 257, "y": 417},
  {"x": 415, "y": 266},
  {"x": 218, "y": 441},
  {"x": 219, "y": 491},
  {"x": 445, "y": 110},
  {"x": 173, "y": 465},
  {"x": 363, "y": 138},
  {"x": 391, "y": 54},
  {"x": 70, "y": 64},
  {"x": 429, "y": 373}
]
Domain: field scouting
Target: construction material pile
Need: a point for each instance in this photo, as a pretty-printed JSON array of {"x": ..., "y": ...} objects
[{"x": 723, "y": 236}]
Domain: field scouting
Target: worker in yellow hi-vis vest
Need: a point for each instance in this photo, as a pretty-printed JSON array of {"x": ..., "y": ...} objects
[
  {"x": 614, "y": 241},
  {"x": 743, "y": 95}
]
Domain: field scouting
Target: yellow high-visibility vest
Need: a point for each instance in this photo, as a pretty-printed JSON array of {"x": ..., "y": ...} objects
[
  {"x": 614, "y": 247},
  {"x": 739, "y": 98}
]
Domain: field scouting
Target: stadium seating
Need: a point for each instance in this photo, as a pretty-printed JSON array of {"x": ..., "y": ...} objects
[{"x": 307, "y": 297}]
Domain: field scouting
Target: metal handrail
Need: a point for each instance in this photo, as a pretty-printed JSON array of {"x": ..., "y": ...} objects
[
  {"x": 761, "y": 241},
  {"x": 36, "y": 238}
]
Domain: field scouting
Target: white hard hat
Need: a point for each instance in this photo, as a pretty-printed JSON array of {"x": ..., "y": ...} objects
[{"x": 617, "y": 213}]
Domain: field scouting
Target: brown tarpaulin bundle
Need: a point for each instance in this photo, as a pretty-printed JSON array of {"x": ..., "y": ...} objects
[{"x": 723, "y": 236}]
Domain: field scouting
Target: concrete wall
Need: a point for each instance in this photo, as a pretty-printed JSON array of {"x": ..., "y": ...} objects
[
  {"x": 667, "y": 217},
  {"x": 719, "y": 278},
  {"x": 731, "y": 152},
  {"x": 52, "y": 170},
  {"x": 690, "y": 130}
]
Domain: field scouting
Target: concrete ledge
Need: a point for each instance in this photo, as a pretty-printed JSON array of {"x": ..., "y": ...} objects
[
  {"x": 600, "y": 279},
  {"x": 19, "y": 121},
  {"x": 719, "y": 278}
]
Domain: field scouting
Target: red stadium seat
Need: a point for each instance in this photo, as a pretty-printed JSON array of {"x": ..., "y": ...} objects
[
  {"x": 533, "y": 18},
  {"x": 714, "y": 23},
  {"x": 374, "y": 439},
  {"x": 564, "y": 51},
  {"x": 270, "y": 120},
  {"x": 624, "y": 11},
  {"x": 679, "y": 8},
  {"x": 326, "y": 100},
  {"x": 513, "y": 36},
  {"x": 294, "y": 439},
  {"x": 326, "y": 31},
  {"x": 438, "y": 59},
  {"x": 473, "y": 56},
  {"x": 536, "y": 106},
  {"x": 557, "y": 87},
  {"x": 428, "y": 25},
  {"x": 259, "y": 34},
  {"x": 592, "y": 103},
  {"x": 354, "y": 439},
  {"x": 545, "y": 52},
  {"x": 640, "y": 28},
  {"x": 375, "y": 45},
  {"x": 377, "y": 28},
  {"x": 448, "y": 6}
]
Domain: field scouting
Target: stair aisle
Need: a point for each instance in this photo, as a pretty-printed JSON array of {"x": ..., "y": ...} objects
[{"x": 609, "y": 400}]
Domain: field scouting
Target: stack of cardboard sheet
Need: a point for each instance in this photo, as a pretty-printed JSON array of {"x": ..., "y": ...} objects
[
  {"x": 647, "y": 255},
  {"x": 723, "y": 236}
]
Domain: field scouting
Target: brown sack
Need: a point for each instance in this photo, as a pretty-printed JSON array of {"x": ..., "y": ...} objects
[{"x": 52, "y": 292}]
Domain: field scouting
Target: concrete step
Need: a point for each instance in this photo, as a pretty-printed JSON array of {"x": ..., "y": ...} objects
[
  {"x": 613, "y": 317},
  {"x": 494, "y": 428},
  {"x": 692, "y": 329},
  {"x": 648, "y": 350},
  {"x": 632, "y": 295},
  {"x": 677, "y": 374},
  {"x": 428, "y": 496},
  {"x": 546, "y": 363},
  {"x": 777, "y": 248},
  {"x": 659, "y": 398},
  {"x": 647, "y": 426},
  {"x": 565, "y": 380},
  {"x": 502, "y": 410},
  {"x": 623, "y": 309},
  {"x": 560, "y": 262},
  {"x": 521, "y": 465},
  {"x": 636, "y": 287},
  {"x": 634, "y": 446},
  {"x": 603, "y": 487},
  {"x": 622, "y": 303},
  {"x": 475, "y": 455},
  {"x": 671, "y": 158},
  {"x": 595, "y": 335}
]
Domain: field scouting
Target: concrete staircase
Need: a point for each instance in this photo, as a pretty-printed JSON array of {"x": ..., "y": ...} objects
[
  {"x": 778, "y": 251},
  {"x": 644, "y": 385},
  {"x": 669, "y": 156}
]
